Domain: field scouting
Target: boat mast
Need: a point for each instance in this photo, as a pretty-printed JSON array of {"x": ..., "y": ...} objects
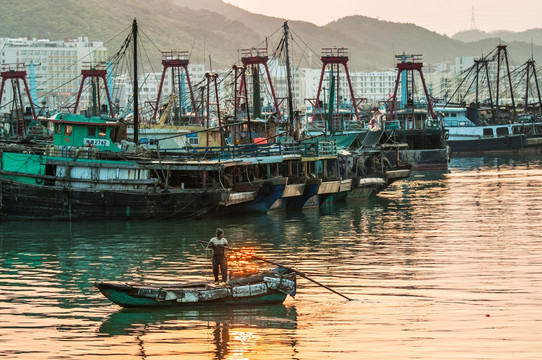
[
  {"x": 136, "y": 86},
  {"x": 289, "y": 78},
  {"x": 531, "y": 65},
  {"x": 502, "y": 49}
]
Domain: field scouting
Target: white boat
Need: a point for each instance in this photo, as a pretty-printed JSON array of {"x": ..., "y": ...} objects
[{"x": 466, "y": 137}]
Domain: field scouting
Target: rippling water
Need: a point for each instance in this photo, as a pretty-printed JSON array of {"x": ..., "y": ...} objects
[{"x": 442, "y": 266}]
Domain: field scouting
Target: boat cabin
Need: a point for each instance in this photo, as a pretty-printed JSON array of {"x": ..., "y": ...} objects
[{"x": 73, "y": 130}]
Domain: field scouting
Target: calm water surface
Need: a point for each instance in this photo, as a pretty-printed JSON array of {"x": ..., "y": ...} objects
[{"x": 442, "y": 266}]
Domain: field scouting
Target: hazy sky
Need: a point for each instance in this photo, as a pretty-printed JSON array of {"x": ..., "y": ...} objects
[{"x": 444, "y": 17}]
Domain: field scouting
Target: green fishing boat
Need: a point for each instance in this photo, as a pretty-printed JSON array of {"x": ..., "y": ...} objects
[{"x": 263, "y": 288}]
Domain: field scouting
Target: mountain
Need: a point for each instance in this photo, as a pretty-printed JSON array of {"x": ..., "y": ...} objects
[
  {"x": 213, "y": 31},
  {"x": 530, "y": 36}
]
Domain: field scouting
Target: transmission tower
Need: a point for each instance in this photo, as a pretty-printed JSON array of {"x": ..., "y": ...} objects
[{"x": 473, "y": 20}]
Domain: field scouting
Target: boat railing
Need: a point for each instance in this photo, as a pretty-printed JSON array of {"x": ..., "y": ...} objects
[
  {"x": 254, "y": 52},
  {"x": 175, "y": 55},
  {"x": 72, "y": 152},
  {"x": 246, "y": 150},
  {"x": 93, "y": 65},
  {"x": 458, "y": 123},
  {"x": 320, "y": 148},
  {"x": 7, "y": 68},
  {"x": 335, "y": 52}
]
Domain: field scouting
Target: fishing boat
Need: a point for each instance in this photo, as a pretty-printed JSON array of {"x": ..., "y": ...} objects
[
  {"x": 481, "y": 122},
  {"x": 91, "y": 171},
  {"x": 466, "y": 137},
  {"x": 263, "y": 288},
  {"x": 412, "y": 121},
  {"x": 84, "y": 174}
]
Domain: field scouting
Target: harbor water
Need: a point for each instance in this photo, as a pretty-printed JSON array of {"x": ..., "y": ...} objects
[{"x": 439, "y": 266}]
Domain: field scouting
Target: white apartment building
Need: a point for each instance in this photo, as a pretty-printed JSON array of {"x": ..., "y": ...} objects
[
  {"x": 149, "y": 83},
  {"x": 373, "y": 86},
  {"x": 57, "y": 66}
]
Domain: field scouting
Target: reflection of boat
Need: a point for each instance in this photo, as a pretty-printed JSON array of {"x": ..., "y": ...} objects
[
  {"x": 267, "y": 287},
  {"x": 128, "y": 321}
]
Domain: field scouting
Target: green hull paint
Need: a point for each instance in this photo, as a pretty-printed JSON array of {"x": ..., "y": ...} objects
[
  {"x": 343, "y": 141},
  {"x": 126, "y": 300}
]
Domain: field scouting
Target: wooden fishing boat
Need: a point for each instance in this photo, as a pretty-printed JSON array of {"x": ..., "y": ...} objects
[{"x": 262, "y": 288}]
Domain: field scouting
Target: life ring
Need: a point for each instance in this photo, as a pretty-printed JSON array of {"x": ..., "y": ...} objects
[
  {"x": 205, "y": 199},
  {"x": 166, "y": 198},
  {"x": 268, "y": 187},
  {"x": 39, "y": 181},
  {"x": 506, "y": 141}
]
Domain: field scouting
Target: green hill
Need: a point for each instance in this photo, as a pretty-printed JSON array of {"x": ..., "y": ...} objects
[{"x": 212, "y": 28}]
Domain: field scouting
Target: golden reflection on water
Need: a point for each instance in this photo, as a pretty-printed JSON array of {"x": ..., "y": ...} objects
[{"x": 442, "y": 266}]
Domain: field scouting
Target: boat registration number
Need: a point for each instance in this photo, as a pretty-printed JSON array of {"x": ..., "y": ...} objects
[{"x": 96, "y": 142}]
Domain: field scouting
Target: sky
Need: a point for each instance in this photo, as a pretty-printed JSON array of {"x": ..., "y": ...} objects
[{"x": 443, "y": 17}]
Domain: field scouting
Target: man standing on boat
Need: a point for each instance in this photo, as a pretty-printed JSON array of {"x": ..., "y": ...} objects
[{"x": 219, "y": 244}]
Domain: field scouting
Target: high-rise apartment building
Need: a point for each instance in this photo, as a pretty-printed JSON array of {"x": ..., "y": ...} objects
[{"x": 57, "y": 66}]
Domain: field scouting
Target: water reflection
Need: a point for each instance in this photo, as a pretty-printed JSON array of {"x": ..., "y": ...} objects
[
  {"x": 132, "y": 321},
  {"x": 232, "y": 331},
  {"x": 427, "y": 259}
]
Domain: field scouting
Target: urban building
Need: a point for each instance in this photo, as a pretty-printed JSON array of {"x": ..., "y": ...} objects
[{"x": 56, "y": 67}]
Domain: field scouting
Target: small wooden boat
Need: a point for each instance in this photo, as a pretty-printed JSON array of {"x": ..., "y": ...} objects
[{"x": 268, "y": 287}]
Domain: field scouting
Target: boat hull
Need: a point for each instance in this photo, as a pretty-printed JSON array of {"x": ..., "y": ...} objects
[
  {"x": 504, "y": 144},
  {"x": 20, "y": 200},
  {"x": 422, "y": 160},
  {"x": 269, "y": 193},
  {"x": 298, "y": 202},
  {"x": 124, "y": 299},
  {"x": 267, "y": 288}
]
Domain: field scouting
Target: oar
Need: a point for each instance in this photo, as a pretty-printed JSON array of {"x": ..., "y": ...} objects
[
  {"x": 297, "y": 272},
  {"x": 304, "y": 276}
]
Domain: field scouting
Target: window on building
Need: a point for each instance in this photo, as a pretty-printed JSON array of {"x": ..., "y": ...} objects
[{"x": 193, "y": 141}]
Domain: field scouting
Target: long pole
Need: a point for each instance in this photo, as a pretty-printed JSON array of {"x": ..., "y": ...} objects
[
  {"x": 136, "y": 86},
  {"x": 289, "y": 81},
  {"x": 293, "y": 270},
  {"x": 303, "y": 276}
]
